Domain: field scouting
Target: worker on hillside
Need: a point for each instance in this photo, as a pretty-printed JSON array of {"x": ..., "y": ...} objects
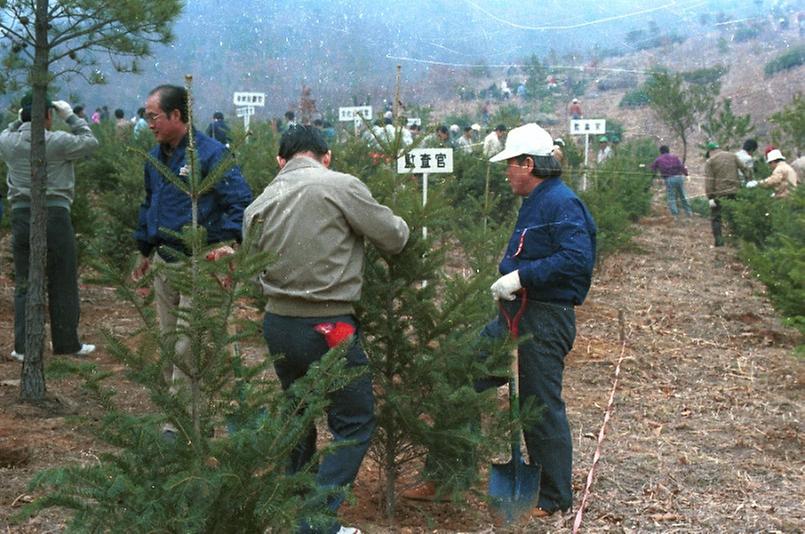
[
  {"x": 746, "y": 155},
  {"x": 493, "y": 143},
  {"x": 721, "y": 182},
  {"x": 604, "y": 150},
  {"x": 673, "y": 172},
  {"x": 575, "y": 109},
  {"x": 783, "y": 178},
  {"x": 546, "y": 271}
]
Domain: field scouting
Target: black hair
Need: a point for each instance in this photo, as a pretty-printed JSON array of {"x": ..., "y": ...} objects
[
  {"x": 544, "y": 166},
  {"x": 119, "y": 113},
  {"x": 500, "y": 128},
  {"x": 750, "y": 145},
  {"x": 443, "y": 129},
  {"x": 302, "y": 139},
  {"x": 664, "y": 149},
  {"x": 289, "y": 115},
  {"x": 468, "y": 129},
  {"x": 318, "y": 122},
  {"x": 172, "y": 97},
  {"x": 141, "y": 112},
  {"x": 414, "y": 126},
  {"x": 218, "y": 116},
  {"x": 78, "y": 109}
]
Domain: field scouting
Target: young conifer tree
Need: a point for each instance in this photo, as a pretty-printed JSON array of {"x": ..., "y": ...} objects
[
  {"x": 235, "y": 482},
  {"x": 422, "y": 319}
]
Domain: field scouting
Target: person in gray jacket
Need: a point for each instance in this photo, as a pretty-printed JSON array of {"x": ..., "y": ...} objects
[
  {"x": 314, "y": 221},
  {"x": 62, "y": 149}
]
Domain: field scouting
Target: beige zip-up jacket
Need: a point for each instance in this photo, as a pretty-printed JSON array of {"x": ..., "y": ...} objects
[
  {"x": 313, "y": 221},
  {"x": 783, "y": 180}
]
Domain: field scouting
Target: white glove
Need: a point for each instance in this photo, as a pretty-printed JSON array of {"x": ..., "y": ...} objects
[
  {"x": 713, "y": 203},
  {"x": 506, "y": 286},
  {"x": 750, "y": 184},
  {"x": 19, "y": 115},
  {"x": 63, "y": 109}
]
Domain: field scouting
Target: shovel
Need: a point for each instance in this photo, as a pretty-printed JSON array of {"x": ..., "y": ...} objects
[{"x": 514, "y": 486}]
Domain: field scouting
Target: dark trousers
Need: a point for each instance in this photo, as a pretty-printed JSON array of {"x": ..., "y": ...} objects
[
  {"x": 350, "y": 415},
  {"x": 715, "y": 220},
  {"x": 547, "y": 332},
  {"x": 62, "y": 278}
]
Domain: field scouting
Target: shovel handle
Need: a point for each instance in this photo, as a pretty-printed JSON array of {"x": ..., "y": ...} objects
[{"x": 513, "y": 324}]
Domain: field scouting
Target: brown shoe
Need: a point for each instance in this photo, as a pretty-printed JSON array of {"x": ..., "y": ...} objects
[
  {"x": 538, "y": 513},
  {"x": 424, "y": 492}
]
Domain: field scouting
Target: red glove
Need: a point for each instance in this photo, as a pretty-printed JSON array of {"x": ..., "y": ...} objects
[{"x": 335, "y": 333}]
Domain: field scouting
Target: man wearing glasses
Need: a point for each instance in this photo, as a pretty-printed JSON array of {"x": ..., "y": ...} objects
[{"x": 167, "y": 209}]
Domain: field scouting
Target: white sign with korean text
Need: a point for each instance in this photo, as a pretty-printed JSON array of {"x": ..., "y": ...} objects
[
  {"x": 414, "y": 120},
  {"x": 588, "y": 126},
  {"x": 245, "y": 111},
  {"x": 249, "y": 99},
  {"x": 352, "y": 113},
  {"x": 426, "y": 160}
]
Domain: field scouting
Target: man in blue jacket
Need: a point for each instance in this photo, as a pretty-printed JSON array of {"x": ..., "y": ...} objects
[
  {"x": 166, "y": 207},
  {"x": 546, "y": 271}
]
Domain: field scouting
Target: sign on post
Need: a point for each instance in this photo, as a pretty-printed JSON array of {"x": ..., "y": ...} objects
[
  {"x": 246, "y": 102},
  {"x": 587, "y": 127},
  {"x": 426, "y": 160},
  {"x": 414, "y": 120},
  {"x": 242, "y": 98},
  {"x": 351, "y": 113}
]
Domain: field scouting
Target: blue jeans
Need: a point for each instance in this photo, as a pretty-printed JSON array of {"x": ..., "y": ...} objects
[
  {"x": 350, "y": 415},
  {"x": 675, "y": 187},
  {"x": 548, "y": 331}
]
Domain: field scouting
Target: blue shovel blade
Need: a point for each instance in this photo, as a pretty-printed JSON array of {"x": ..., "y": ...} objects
[{"x": 514, "y": 488}]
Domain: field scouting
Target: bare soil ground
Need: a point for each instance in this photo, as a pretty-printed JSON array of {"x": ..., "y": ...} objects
[{"x": 706, "y": 434}]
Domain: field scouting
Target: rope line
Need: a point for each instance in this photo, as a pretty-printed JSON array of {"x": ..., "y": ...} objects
[{"x": 601, "y": 433}]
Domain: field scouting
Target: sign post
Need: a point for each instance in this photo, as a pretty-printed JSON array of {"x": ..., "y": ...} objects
[
  {"x": 246, "y": 102},
  {"x": 587, "y": 127},
  {"x": 354, "y": 114},
  {"x": 425, "y": 161}
]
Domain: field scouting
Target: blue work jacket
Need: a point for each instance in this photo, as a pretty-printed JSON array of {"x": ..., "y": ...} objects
[
  {"x": 553, "y": 245},
  {"x": 166, "y": 206}
]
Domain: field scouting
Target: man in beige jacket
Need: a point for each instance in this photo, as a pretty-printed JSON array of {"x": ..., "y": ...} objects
[
  {"x": 783, "y": 178},
  {"x": 314, "y": 222}
]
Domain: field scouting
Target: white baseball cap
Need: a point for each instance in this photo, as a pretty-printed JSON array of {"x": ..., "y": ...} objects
[
  {"x": 528, "y": 139},
  {"x": 476, "y": 127},
  {"x": 774, "y": 155}
]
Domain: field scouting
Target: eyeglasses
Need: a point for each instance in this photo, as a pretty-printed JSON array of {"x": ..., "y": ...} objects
[{"x": 151, "y": 118}]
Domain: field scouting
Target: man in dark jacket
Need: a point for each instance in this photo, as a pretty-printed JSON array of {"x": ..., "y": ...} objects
[
  {"x": 546, "y": 272},
  {"x": 167, "y": 207},
  {"x": 219, "y": 129}
]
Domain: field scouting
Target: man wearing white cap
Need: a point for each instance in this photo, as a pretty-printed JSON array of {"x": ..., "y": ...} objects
[
  {"x": 783, "y": 178},
  {"x": 546, "y": 271}
]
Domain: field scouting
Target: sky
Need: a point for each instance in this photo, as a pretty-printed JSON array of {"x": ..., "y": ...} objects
[{"x": 346, "y": 49}]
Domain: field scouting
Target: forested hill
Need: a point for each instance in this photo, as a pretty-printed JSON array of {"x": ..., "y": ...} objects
[{"x": 345, "y": 50}]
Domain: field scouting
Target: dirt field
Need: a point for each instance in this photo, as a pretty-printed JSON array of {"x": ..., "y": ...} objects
[{"x": 706, "y": 434}]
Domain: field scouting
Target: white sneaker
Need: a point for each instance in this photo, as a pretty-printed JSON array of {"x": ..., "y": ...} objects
[
  {"x": 86, "y": 348},
  {"x": 17, "y": 356},
  {"x": 349, "y": 530}
]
